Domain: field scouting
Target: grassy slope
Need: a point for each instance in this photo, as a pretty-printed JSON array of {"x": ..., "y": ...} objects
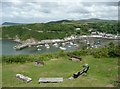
[
  {"x": 102, "y": 73},
  {"x": 0, "y": 74}
]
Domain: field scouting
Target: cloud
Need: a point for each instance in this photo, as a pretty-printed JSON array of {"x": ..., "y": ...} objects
[
  {"x": 26, "y": 11},
  {"x": 60, "y": 0}
]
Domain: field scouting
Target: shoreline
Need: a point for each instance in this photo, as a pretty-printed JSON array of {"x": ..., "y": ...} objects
[
  {"x": 79, "y": 37},
  {"x": 68, "y": 39},
  {"x": 84, "y": 36},
  {"x": 10, "y": 40}
]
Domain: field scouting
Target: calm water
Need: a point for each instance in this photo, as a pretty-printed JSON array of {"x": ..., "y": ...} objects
[{"x": 7, "y": 47}]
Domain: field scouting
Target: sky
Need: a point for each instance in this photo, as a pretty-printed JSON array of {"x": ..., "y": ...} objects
[{"x": 35, "y": 11}]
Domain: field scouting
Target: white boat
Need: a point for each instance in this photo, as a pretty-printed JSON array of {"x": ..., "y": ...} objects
[
  {"x": 38, "y": 49},
  {"x": 71, "y": 43},
  {"x": 38, "y": 46},
  {"x": 56, "y": 45},
  {"x": 47, "y": 46},
  {"x": 62, "y": 48},
  {"x": 75, "y": 44},
  {"x": 69, "y": 46},
  {"x": 92, "y": 46},
  {"x": 63, "y": 44}
]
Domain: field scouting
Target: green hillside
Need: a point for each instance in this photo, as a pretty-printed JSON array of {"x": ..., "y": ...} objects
[
  {"x": 58, "y": 29},
  {"x": 102, "y": 73}
]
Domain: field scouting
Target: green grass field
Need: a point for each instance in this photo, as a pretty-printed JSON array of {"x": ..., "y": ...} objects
[
  {"x": 0, "y": 74},
  {"x": 102, "y": 73}
]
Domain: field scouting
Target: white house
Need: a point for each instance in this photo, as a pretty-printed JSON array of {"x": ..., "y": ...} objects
[
  {"x": 77, "y": 29},
  {"x": 93, "y": 33}
]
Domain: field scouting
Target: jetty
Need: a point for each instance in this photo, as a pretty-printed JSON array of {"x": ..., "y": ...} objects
[
  {"x": 22, "y": 46},
  {"x": 68, "y": 39}
]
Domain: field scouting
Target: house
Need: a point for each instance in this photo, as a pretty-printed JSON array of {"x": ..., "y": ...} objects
[
  {"x": 53, "y": 40},
  {"x": 91, "y": 29},
  {"x": 67, "y": 38},
  {"x": 108, "y": 35},
  {"x": 77, "y": 29},
  {"x": 56, "y": 40},
  {"x": 93, "y": 33},
  {"x": 101, "y": 34}
]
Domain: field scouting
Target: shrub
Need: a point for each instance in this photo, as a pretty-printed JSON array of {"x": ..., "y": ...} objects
[{"x": 100, "y": 52}]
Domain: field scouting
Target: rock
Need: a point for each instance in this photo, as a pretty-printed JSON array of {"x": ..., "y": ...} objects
[{"x": 23, "y": 78}]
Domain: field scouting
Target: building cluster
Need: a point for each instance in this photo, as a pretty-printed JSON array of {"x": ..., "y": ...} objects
[{"x": 105, "y": 35}]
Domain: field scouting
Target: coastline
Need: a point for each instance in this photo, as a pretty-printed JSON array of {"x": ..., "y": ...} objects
[
  {"x": 10, "y": 39},
  {"x": 28, "y": 42},
  {"x": 82, "y": 36}
]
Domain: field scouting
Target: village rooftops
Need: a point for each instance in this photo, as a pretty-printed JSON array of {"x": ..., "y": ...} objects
[{"x": 53, "y": 40}]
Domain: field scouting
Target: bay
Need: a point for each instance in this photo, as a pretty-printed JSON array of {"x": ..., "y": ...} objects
[{"x": 6, "y": 47}]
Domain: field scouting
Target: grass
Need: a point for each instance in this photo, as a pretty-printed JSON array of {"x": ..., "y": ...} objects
[
  {"x": 0, "y": 74},
  {"x": 102, "y": 73}
]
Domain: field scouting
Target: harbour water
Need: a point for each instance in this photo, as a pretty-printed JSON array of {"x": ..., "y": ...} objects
[{"x": 7, "y": 47}]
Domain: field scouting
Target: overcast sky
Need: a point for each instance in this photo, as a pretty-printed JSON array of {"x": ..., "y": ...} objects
[{"x": 30, "y": 11}]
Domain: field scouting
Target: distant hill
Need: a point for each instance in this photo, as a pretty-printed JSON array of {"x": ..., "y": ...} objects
[
  {"x": 82, "y": 20},
  {"x": 60, "y": 21},
  {"x": 64, "y": 21},
  {"x": 9, "y": 24},
  {"x": 95, "y": 20},
  {"x": 58, "y": 29},
  {"x": 90, "y": 20}
]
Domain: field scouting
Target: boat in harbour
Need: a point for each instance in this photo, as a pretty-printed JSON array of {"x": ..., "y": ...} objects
[
  {"x": 62, "y": 48},
  {"x": 47, "y": 46},
  {"x": 38, "y": 49}
]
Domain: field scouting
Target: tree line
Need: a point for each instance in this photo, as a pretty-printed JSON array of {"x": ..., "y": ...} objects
[{"x": 41, "y": 31}]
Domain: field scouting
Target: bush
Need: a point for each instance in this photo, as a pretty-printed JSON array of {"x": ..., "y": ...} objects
[
  {"x": 100, "y": 52},
  {"x": 15, "y": 59},
  {"x": 110, "y": 51}
]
